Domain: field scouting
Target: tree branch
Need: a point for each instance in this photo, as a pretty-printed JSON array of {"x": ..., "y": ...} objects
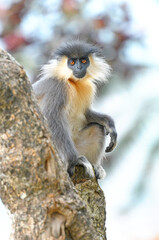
[{"x": 35, "y": 186}]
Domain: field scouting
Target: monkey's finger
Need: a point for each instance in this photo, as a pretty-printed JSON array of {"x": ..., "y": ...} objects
[
  {"x": 71, "y": 170},
  {"x": 113, "y": 137},
  {"x": 110, "y": 147}
]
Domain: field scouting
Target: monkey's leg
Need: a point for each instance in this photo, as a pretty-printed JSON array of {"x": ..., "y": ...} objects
[{"x": 91, "y": 143}]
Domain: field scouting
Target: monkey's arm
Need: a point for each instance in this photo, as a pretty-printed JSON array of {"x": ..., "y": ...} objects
[
  {"x": 52, "y": 97},
  {"x": 106, "y": 121}
]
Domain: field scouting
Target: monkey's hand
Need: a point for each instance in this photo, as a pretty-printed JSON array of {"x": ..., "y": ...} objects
[
  {"x": 81, "y": 161},
  {"x": 107, "y": 122},
  {"x": 110, "y": 130}
]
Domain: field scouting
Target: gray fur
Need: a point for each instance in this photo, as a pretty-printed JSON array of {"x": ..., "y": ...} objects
[
  {"x": 52, "y": 104},
  {"x": 77, "y": 49}
]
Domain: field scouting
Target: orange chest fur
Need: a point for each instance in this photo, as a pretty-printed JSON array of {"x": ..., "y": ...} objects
[{"x": 81, "y": 94}]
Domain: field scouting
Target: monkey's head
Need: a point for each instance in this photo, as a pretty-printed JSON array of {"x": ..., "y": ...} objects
[{"x": 77, "y": 60}]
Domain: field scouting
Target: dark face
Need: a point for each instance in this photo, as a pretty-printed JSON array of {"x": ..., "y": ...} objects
[{"x": 78, "y": 66}]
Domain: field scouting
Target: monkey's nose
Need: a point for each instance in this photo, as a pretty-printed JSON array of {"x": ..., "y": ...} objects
[{"x": 79, "y": 66}]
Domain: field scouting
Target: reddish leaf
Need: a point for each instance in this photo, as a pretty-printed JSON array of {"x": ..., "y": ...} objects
[
  {"x": 14, "y": 40},
  {"x": 69, "y": 6}
]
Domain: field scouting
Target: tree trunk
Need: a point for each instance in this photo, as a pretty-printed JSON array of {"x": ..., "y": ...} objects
[{"x": 34, "y": 185}]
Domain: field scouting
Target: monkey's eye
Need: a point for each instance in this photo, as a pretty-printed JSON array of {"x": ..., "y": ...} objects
[
  {"x": 72, "y": 62},
  {"x": 84, "y": 61}
]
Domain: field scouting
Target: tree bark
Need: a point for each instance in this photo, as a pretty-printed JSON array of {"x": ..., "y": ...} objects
[{"x": 34, "y": 185}]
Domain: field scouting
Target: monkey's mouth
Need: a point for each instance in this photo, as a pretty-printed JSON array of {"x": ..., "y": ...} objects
[{"x": 79, "y": 74}]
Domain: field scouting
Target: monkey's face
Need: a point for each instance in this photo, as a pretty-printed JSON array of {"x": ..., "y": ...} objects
[
  {"x": 78, "y": 66},
  {"x": 77, "y": 61}
]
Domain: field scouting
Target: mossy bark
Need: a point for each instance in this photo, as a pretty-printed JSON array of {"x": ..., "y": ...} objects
[{"x": 34, "y": 185}]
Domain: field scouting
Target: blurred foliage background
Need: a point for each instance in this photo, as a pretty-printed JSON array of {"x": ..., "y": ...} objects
[{"x": 127, "y": 32}]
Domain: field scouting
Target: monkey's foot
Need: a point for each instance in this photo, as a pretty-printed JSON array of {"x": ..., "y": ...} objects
[
  {"x": 99, "y": 172},
  {"x": 82, "y": 161}
]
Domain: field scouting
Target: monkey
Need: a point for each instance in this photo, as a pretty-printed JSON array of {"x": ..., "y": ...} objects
[{"x": 65, "y": 91}]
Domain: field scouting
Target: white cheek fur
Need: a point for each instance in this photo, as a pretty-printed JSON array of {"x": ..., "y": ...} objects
[
  {"x": 99, "y": 70},
  {"x": 56, "y": 68}
]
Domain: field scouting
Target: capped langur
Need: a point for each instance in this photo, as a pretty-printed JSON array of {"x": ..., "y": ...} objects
[{"x": 65, "y": 92}]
